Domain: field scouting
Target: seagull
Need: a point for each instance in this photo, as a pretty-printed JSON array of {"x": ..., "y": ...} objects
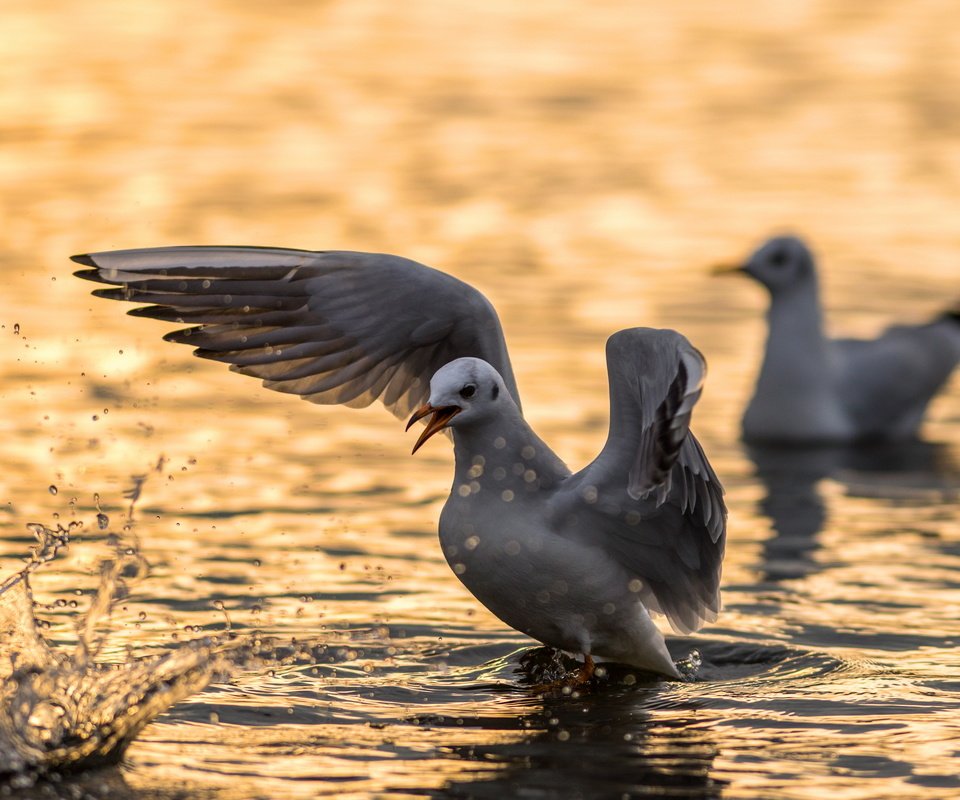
[
  {"x": 578, "y": 561},
  {"x": 816, "y": 390}
]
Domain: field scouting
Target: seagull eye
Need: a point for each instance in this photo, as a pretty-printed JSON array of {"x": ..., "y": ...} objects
[
  {"x": 778, "y": 258},
  {"x": 468, "y": 391}
]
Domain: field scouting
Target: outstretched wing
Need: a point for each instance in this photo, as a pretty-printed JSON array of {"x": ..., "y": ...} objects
[
  {"x": 332, "y": 327},
  {"x": 651, "y": 498},
  {"x": 887, "y": 383}
]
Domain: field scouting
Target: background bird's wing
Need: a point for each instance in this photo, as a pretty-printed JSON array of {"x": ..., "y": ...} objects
[
  {"x": 651, "y": 498},
  {"x": 890, "y": 380},
  {"x": 332, "y": 327}
]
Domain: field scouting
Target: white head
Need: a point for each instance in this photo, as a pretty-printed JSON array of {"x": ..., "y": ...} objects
[
  {"x": 781, "y": 262},
  {"x": 461, "y": 393}
]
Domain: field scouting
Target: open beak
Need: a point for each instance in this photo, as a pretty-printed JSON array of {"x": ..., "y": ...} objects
[
  {"x": 727, "y": 269},
  {"x": 441, "y": 418}
]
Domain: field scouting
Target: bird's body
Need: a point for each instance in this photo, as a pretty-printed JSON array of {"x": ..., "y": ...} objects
[
  {"x": 576, "y": 561},
  {"x": 502, "y": 536},
  {"x": 812, "y": 389}
]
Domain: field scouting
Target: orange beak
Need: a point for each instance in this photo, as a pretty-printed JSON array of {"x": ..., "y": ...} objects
[
  {"x": 441, "y": 418},
  {"x": 726, "y": 269}
]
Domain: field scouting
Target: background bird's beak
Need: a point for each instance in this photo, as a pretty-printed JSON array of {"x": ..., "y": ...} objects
[
  {"x": 726, "y": 269},
  {"x": 441, "y": 418}
]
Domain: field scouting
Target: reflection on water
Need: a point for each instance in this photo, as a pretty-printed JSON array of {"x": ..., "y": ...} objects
[
  {"x": 798, "y": 511},
  {"x": 581, "y": 165},
  {"x": 614, "y": 743}
]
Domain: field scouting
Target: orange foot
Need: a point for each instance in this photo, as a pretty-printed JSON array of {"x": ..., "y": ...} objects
[{"x": 568, "y": 684}]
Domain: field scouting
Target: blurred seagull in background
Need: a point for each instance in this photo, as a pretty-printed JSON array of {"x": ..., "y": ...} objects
[
  {"x": 812, "y": 389},
  {"x": 577, "y": 561}
]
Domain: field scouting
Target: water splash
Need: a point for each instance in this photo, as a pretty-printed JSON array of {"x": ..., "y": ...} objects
[
  {"x": 689, "y": 667},
  {"x": 133, "y": 493},
  {"x": 62, "y": 710},
  {"x": 103, "y": 521}
]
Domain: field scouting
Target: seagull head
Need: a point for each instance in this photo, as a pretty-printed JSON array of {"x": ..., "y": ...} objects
[
  {"x": 461, "y": 392},
  {"x": 779, "y": 263}
]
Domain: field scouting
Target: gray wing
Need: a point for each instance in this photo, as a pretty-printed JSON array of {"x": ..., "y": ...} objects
[
  {"x": 887, "y": 383},
  {"x": 332, "y": 327},
  {"x": 651, "y": 498}
]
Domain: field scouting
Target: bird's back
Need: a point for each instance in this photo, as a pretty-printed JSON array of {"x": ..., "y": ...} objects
[{"x": 887, "y": 383}]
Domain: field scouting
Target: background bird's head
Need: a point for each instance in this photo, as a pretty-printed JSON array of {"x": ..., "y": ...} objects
[{"x": 781, "y": 263}]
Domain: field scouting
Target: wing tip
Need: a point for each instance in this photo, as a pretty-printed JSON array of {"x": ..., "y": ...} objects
[
  {"x": 139, "y": 311},
  {"x": 108, "y": 294},
  {"x": 181, "y": 336},
  {"x": 83, "y": 258},
  {"x": 90, "y": 275}
]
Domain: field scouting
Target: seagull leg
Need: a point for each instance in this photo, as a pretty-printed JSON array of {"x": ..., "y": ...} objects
[
  {"x": 586, "y": 672},
  {"x": 581, "y": 678}
]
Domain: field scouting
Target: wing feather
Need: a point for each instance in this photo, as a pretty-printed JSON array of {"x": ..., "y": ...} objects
[
  {"x": 889, "y": 381},
  {"x": 332, "y": 327},
  {"x": 651, "y": 498}
]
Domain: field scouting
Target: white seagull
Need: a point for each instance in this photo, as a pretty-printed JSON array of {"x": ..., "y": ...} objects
[
  {"x": 816, "y": 390},
  {"x": 576, "y": 561}
]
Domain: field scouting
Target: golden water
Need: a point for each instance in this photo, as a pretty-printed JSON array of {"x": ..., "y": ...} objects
[{"x": 582, "y": 164}]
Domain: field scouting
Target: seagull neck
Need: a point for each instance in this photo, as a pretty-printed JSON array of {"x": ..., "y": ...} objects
[
  {"x": 795, "y": 328},
  {"x": 505, "y": 448},
  {"x": 795, "y": 393}
]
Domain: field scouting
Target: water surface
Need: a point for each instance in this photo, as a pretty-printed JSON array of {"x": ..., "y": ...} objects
[{"x": 582, "y": 164}]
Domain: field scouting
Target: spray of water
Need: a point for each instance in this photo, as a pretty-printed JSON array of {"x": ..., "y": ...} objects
[{"x": 62, "y": 708}]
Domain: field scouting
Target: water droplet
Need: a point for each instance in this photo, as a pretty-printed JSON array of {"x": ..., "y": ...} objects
[
  {"x": 16, "y": 328},
  {"x": 53, "y": 489}
]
